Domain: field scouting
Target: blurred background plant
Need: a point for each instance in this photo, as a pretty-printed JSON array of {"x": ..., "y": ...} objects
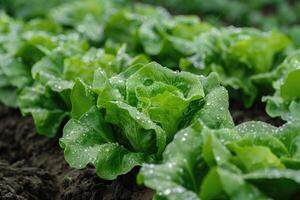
[{"x": 264, "y": 14}]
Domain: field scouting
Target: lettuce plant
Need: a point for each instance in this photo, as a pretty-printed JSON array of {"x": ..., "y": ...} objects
[
  {"x": 86, "y": 17},
  {"x": 21, "y": 46},
  {"x": 144, "y": 28},
  {"x": 30, "y": 8},
  {"x": 48, "y": 99},
  {"x": 164, "y": 37},
  {"x": 254, "y": 160},
  {"x": 123, "y": 111},
  {"x": 39, "y": 98},
  {"x": 128, "y": 119},
  {"x": 285, "y": 102},
  {"x": 239, "y": 56}
]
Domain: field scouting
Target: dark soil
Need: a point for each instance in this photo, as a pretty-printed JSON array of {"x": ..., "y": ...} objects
[
  {"x": 32, "y": 167},
  {"x": 256, "y": 113}
]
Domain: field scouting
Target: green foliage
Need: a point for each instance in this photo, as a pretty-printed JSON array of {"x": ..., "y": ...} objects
[
  {"x": 238, "y": 55},
  {"x": 91, "y": 68},
  {"x": 21, "y": 46},
  {"x": 138, "y": 112},
  {"x": 245, "y": 162},
  {"x": 30, "y": 8},
  {"x": 145, "y": 29},
  {"x": 56, "y": 73},
  {"x": 47, "y": 99},
  {"x": 265, "y": 14},
  {"x": 285, "y": 101}
]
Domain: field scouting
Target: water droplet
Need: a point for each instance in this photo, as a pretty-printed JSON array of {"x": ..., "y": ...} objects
[{"x": 167, "y": 192}]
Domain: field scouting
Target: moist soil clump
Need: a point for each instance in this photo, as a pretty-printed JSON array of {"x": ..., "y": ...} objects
[
  {"x": 32, "y": 167},
  {"x": 257, "y": 112}
]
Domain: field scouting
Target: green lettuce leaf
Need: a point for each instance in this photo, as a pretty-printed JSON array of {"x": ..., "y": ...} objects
[
  {"x": 144, "y": 106},
  {"x": 238, "y": 55},
  {"x": 285, "y": 102},
  {"x": 21, "y": 46},
  {"x": 245, "y": 162},
  {"x": 86, "y": 17},
  {"x": 49, "y": 87},
  {"x": 143, "y": 28},
  {"x": 269, "y": 180},
  {"x": 89, "y": 139},
  {"x": 31, "y": 8},
  {"x": 46, "y": 108},
  {"x": 57, "y": 72}
]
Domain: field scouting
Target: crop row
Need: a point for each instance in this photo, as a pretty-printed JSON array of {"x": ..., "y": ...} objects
[{"x": 92, "y": 67}]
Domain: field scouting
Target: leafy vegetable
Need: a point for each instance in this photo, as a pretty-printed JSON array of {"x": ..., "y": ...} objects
[
  {"x": 285, "y": 101},
  {"x": 139, "y": 111},
  {"x": 56, "y": 73},
  {"x": 93, "y": 65},
  {"x": 21, "y": 46},
  {"x": 245, "y": 162},
  {"x": 145, "y": 29},
  {"x": 264, "y": 14},
  {"x": 238, "y": 56},
  {"x": 47, "y": 99},
  {"x": 30, "y": 8}
]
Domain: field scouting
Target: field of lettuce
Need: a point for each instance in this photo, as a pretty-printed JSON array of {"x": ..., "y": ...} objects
[{"x": 152, "y": 99}]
